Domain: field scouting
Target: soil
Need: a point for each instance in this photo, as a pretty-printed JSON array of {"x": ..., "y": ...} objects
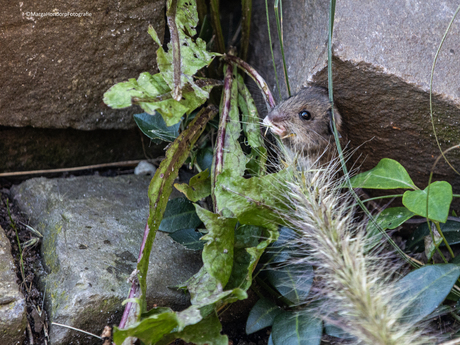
[{"x": 233, "y": 319}]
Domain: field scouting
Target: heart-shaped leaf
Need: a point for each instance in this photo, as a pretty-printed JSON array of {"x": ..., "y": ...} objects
[
  {"x": 388, "y": 174},
  {"x": 439, "y": 196}
]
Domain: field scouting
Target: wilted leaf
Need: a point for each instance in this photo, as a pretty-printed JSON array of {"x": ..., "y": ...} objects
[
  {"x": 439, "y": 199},
  {"x": 388, "y": 174}
]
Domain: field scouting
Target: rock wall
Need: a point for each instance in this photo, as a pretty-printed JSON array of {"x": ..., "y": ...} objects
[{"x": 382, "y": 58}]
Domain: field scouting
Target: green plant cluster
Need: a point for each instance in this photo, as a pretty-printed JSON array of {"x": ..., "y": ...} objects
[{"x": 234, "y": 231}]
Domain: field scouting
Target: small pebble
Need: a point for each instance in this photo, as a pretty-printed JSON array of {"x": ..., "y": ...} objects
[{"x": 145, "y": 168}]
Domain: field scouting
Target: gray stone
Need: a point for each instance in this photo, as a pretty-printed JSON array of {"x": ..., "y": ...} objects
[
  {"x": 93, "y": 227},
  {"x": 145, "y": 168},
  {"x": 54, "y": 68},
  {"x": 13, "y": 316},
  {"x": 382, "y": 58}
]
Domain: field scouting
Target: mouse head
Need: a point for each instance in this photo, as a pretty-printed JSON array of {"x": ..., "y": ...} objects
[{"x": 303, "y": 121}]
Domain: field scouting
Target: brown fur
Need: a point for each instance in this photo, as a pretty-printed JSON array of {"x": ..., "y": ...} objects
[{"x": 311, "y": 137}]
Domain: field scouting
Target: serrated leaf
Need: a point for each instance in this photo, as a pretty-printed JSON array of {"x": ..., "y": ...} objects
[
  {"x": 193, "y": 53},
  {"x": 388, "y": 174},
  {"x": 218, "y": 250},
  {"x": 423, "y": 290},
  {"x": 189, "y": 238},
  {"x": 439, "y": 199},
  {"x": 293, "y": 281},
  {"x": 198, "y": 188},
  {"x": 262, "y": 315},
  {"x": 254, "y": 200},
  {"x": 302, "y": 329},
  {"x": 180, "y": 214},
  {"x": 154, "y": 127}
]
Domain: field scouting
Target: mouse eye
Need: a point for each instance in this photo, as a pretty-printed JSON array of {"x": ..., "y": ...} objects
[{"x": 305, "y": 115}]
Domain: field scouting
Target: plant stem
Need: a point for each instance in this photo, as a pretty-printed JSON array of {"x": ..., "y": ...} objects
[
  {"x": 261, "y": 83},
  {"x": 246, "y": 8},
  {"x": 175, "y": 42},
  {"x": 279, "y": 27},
  {"x": 444, "y": 239},
  {"x": 215, "y": 15},
  {"x": 271, "y": 48}
]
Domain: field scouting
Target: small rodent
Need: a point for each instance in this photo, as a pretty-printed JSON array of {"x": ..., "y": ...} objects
[{"x": 303, "y": 122}]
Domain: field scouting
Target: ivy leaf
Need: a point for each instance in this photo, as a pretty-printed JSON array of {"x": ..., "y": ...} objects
[
  {"x": 218, "y": 251},
  {"x": 423, "y": 290},
  {"x": 180, "y": 214},
  {"x": 154, "y": 127},
  {"x": 389, "y": 218},
  {"x": 301, "y": 329},
  {"x": 388, "y": 174},
  {"x": 262, "y": 315},
  {"x": 198, "y": 188},
  {"x": 439, "y": 199}
]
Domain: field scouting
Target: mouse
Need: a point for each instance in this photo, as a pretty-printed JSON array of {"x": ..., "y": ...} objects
[{"x": 303, "y": 122}]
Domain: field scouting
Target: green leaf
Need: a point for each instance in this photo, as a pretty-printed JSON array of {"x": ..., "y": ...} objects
[
  {"x": 282, "y": 250},
  {"x": 153, "y": 94},
  {"x": 180, "y": 214},
  {"x": 161, "y": 186},
  {"x": 390, "y": 218},
  {"x": 189, "y": 238},
  {"x": 388, "y": 174},
  {"x": 204, "y": 158},
  {"x": 302, "y": 329},
  {"x": 218, "y": 251},
  {"x": 439, "y": 199},
  {"x": 150, "y": 329},
  {"x": 193, "y": 53},
  {"x": 248, "y": 250},
  {"x": 423, "y": 290},
  {"x": 254, "y": 200},
  {"x": 154, "y": 127},
  {"x": 206, "y": 331},
  {"x": 337, "y": 332},
  {"x": 262, "y": 315},
  {"x": 198, "y": 188},
  {"x": 293, "y": 281},
  {"x": 450, "y": 229}
]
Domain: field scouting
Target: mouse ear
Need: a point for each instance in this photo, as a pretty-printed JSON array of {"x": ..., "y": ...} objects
[{"x": 338, "y": 121}]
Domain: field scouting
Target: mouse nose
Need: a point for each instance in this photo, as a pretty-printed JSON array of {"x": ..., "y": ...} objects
[{"x": 276, "y": 116}]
